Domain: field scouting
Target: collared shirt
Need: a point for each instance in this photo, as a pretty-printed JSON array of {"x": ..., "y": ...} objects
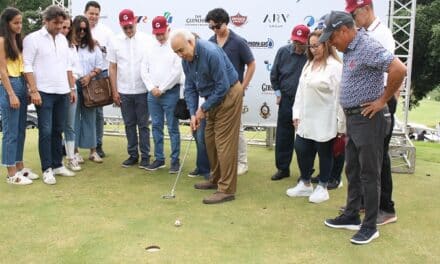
[
  {"x": 48, "y": 59},
  {"x": 74, "y": 62},
  {"x": 127, "y": 53},
  {"x": 286, "y": 70},
  {"x": 365, "y": 61},
  {"x": 238, "y": 52},
  {"x": 209, "y": 75},
  {"x": 161, "y": 67},
  {"x": 316, "y": 102},
  {"x": 89, "y": 60},
  {"x": 103, "y": 35}
]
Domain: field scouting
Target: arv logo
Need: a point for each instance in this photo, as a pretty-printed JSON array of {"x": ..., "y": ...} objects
[{"x": 276, "y": 19}]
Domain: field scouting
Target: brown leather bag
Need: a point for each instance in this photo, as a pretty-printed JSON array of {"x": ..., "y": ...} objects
[{"x": 98, "y": 93}]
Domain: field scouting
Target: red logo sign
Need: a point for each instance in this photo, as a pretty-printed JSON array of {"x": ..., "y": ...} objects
[{"x": 238, "y": 20}]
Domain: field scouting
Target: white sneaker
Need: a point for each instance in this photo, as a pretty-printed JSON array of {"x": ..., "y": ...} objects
[
  {"x": 29, "y": 174},
  {"x": 48, "y": 177},
  {"x": 319, "y": 195},
  {"x": 18, "y": 179},
  {"x": 79, "y": 158},
  {"x": 63, "y": 171},
  {"x": 300, "y": 190},
  {"x": 242, "y": 169},
  {"x": 73, "y": 165},
  {"x": 95, "y": 157}
]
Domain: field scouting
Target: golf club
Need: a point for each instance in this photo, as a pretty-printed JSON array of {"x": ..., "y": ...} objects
[{"x": 172, "y": 195}]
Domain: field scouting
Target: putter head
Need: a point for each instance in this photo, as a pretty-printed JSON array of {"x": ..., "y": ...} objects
[{"x": 168, "y": 196}]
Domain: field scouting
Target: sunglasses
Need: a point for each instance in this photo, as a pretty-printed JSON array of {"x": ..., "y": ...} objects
[
  {"x": 127, "y": 27},
  {"x": 215, "y": 26},
  {"x": 81, "y": 29}
]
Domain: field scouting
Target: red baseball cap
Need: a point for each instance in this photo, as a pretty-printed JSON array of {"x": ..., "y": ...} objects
[
  {"x": 300, "y": 33},
  {"x": 126, "y": 17},
  {"x": 352, "y": 5},
  {"x": 160, "y": 25}
]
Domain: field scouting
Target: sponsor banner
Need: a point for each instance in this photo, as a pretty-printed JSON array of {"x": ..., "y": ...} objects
[{"x": 266, "y": 26}]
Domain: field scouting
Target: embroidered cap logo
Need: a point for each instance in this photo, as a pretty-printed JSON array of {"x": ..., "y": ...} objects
[
  {"x": 299, "y": 32},
  {"x": 125, "y": 17},
  {"x": 157, "y": 25}
]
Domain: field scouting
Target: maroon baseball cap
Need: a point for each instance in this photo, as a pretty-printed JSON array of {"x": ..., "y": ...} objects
[
  {"x": 126, "y": 17},
  {"x": 160, "y": 25},
  {"x": 338, "y": 146},
  {"x": 351, "y": 5},
  {"x": 300, "y": 33}
]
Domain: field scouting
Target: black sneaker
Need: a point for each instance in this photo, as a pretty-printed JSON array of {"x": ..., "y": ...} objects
[
  {"x": 175, "y": 167},
  {"x": 194, "y": 173},
  {"x": 364, "y": 236},
  {"x": 144, "y": 163},
  {"x": 100, "y": 151},
  {"x": 343, "y": 221},
  {"x": 129, "y": 162},
  {"x": 157, "y": 164},
  {"x": 280, "y": 174},
  {"x": 332, "y": 184}
]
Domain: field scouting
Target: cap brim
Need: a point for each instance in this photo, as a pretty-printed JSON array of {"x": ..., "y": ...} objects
[
  {"x": 159, "y": 31},
  {"x": 299, "y": 39},
  {"x": 126, "y": 23},
  {"x": 325, "y": 36},
  {"x": 350, "y": 9}
]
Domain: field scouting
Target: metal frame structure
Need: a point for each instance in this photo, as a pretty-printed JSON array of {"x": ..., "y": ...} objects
[
  {"x": 62, "y": 3},
  {"x": 402, "y": 21}
]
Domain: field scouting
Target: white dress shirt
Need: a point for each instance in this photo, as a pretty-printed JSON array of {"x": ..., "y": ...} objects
[
  {"x": 316, "y": 102},
  {"x": 161, "y": 67},
  {"x": 127, "y": 53},
  {"x": 380, "y": 32},
  {"x": 103, "y": 35},
  {"x": 74, "y": 63},
  {"x": 48, "y": 59},
  {"x": 89, "y": 60}
]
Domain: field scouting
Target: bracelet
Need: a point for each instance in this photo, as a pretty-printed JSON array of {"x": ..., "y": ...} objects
[
  {"x": 33, "y": 91},
  {"x": 73, "y": 89}
]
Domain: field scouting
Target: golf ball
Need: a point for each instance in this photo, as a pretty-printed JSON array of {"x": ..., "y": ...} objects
[{"x": 177, "y": 223}]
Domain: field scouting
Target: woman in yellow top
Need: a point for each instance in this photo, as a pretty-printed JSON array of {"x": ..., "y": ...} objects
[{"x": 13, "y": 98}]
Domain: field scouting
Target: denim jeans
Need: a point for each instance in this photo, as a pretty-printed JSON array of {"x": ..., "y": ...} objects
[
  {"x": 51, "y": 121},
  {"x": 13, "y": 122},
  {"x": 164, "y": 106},
  {"x": 100, "y": 116},
  {"x": 134, "y": 109},
  {"x": 285, "y": 134},
  {"x": 202, "y": 162},
  {"x": 306, "y": 150},
  {"x": 69, "y": 130},
  {"x": 85, "y": 123}
]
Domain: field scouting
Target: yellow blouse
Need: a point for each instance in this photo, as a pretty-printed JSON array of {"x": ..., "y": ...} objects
[{"x": 15, "y": 67}]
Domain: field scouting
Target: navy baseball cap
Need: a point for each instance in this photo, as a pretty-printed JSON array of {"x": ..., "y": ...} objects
[{"x": 334, "y": 21}]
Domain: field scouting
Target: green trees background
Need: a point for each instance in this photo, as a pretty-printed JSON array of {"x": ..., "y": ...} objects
[{"x": 426, "y": 56}]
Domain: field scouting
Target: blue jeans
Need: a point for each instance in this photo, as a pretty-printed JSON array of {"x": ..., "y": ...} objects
[
  {"x": 51, "y": 115},
  {"x": 164, "y": 106},
  {"x": 69, "y": 130},
  {"x": 100, "y": 117},
  {"x": 306, "y": 150},
  {"x": 13, "y": 122},
  {"x": 202, "y": 161},
  {"x": 85, "y": 123},
  {"x": 134, "y": 110}
]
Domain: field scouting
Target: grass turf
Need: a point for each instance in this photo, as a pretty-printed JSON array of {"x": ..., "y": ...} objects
[{"x": 108, "y": 214}]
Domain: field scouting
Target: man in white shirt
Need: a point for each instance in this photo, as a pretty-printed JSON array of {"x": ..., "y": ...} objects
[
  {"x": 46, "y": 67},
  {"x": 125, "y": 56},
  {"x": 161, "y": 71},
  {"x": 102, "y": 34},
  {"x": 363, "y": 14}
]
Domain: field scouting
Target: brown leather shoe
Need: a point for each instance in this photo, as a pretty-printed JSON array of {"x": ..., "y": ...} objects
[
  {"x": 218, "y": 197},
  {"x": 206, "y": 185}
]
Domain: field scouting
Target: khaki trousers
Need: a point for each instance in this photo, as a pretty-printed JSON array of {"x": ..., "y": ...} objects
[{"x": 221, "y": 138}]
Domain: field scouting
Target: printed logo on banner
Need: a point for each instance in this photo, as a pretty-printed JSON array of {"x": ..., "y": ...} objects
[
  {"x": 267, "y": 89},
  {"x": 168, "y": 16},
  {"x": 142, "y": 19},
  {"x": 276, "y": 20},
  {"x": 196, "y": 21},
  {"x": 265, "y": 111},
  {"x": 245, "y": 109},
  {"x": 309, "y": 21},
  {"x": 238, "y": 20},
  {"x": 268, "y": 65},
  {"x": 268, "y": 44}
]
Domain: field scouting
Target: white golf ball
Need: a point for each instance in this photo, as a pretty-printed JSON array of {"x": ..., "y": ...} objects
[{"x": 177, "y": 223}]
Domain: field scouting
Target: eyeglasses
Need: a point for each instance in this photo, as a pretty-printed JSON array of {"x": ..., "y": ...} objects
[
  {"x": 215, "y": 26},
  {"x": 316, "y": 46},
  {"x": 127, "y": 27}
]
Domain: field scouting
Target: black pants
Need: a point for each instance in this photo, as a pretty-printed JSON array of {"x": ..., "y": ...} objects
[
  {"x": 364, "y": 155},
  {"x": 285, "y": 134},
  {"x": 386, "y": 186}
]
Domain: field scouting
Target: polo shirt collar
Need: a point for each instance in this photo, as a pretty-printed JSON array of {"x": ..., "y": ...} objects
[{"x": 356, "y": 39}]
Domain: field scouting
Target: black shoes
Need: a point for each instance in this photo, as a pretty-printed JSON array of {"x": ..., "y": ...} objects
[
  {"x": 144, "y": 163},
  {"x": 345, "y": 222},
  {"x": 129, "y": 162},
  {"x": 100, "y": 151},
  {"x": 280, "y": 175},
  {"x": 364, "y": 236}
]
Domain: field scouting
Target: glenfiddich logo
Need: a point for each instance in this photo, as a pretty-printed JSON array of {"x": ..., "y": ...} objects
[
  {"x": 196, "y": 21},
  {"x": 238, "y": 20}
]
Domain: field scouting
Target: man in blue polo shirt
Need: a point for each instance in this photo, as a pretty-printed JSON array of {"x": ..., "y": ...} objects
[
  {"x": 241, "y": 57},
  {"x": 364, "y": 101},
  {"x": 210, "y": 74}
]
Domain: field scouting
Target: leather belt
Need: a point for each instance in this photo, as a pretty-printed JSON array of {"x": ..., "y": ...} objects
[{"x": 353, "y": 110}]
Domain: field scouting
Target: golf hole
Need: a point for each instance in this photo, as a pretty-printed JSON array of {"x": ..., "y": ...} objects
[{"x": 152, "y": 248}]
